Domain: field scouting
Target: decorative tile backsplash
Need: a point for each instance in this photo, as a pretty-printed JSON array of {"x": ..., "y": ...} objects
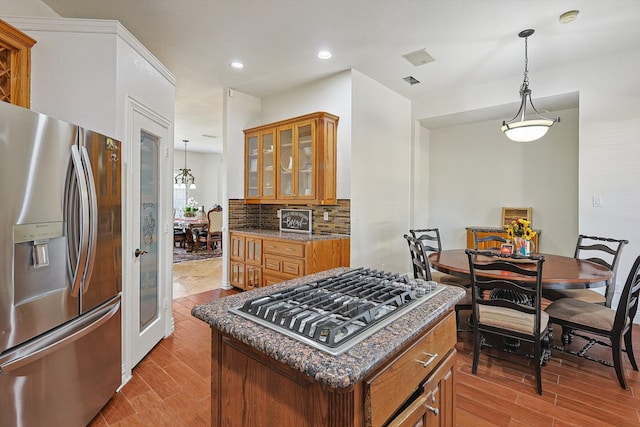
[{"x": 242, "y": 215}]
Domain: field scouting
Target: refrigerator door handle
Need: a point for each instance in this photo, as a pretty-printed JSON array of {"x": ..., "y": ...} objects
[
  {"x": 81, "y": 262},
  {"x": 93, "y": 219},
  {"x": 53, "y": 342}
]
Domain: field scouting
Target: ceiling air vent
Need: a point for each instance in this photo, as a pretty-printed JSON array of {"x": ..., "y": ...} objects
[
  {"x": 411, "y": 80},
  {"x": 419, "y": 57}
]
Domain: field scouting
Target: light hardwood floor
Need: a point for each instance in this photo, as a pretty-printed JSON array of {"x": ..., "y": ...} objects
[
  {"x": 171, "y": 386},
  {"x": 194, "y": 277}
]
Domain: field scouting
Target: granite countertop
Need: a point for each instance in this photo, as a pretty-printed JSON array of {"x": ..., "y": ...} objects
[
  {"x": 301, "y": 237},
  {"x": 344, "y": 370}
]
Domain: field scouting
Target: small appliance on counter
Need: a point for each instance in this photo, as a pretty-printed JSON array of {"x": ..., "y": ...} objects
[{"x": 60, "y": 270}]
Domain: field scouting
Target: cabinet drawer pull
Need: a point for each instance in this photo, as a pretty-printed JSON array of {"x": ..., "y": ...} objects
[
  {"x": 289, "y": 249},
  {"x": 432, "y": 409},
  {"x": 432, "y": 357}
]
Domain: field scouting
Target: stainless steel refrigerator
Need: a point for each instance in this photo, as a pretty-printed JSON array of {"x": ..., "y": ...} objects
[{"x": 60, "y": 270}]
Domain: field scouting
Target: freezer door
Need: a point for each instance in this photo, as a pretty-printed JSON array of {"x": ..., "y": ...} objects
[
  {"x": 103, "y": 277},
  {"x": 34, "y": 163},
  {"x": 66, "y": 376}
]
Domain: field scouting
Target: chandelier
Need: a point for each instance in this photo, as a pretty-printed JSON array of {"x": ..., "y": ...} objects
[
  {"x": 519, "y": 129},
  {"x": 184, "y": 179}
]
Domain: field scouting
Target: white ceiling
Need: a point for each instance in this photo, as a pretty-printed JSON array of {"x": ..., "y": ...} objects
[{"x": 470, "y": 40}]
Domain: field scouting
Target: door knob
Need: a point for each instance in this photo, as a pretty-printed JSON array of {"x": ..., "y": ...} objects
[{"x": 139, "y": 252}]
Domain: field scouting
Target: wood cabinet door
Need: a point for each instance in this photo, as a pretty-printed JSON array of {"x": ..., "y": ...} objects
[
  {"x": 440, "y": 395},
  {"x": 236, "y": 274},
  {"x": 253, "y": 277},
  {"x": 304, "y": 166},
  {"x": 237, "y": 247},
  {"x": 267, "y": 163},
  {"x": 285, "y": 162},
  {"x": 251, "y": 167},
  {"x": 15, "y": 65},
  {"x": 253, "y": 254},
  {"x": 434, "y": 407}
]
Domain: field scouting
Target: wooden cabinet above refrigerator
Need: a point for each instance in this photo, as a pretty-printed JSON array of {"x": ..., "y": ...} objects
[
  {"x": 292, "y": 161},
  {"x": 15, "y": 65}
]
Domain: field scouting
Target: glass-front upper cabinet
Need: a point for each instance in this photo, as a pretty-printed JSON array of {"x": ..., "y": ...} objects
[
  {"x": 292, "y": 161},
  {"x": 295, "y": 145},
  {"x": 285, "y": 167},
  {"x": 305, "y": 179},
  {"x": 260, "y": 178},
  {"x": 251, "y": 167},
  {"x": 268, "y": 179}
]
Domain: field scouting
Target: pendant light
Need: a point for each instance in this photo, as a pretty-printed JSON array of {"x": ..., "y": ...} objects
[
  {"x": 520, "y": 129},
  {"x": 184, "y": 177}
]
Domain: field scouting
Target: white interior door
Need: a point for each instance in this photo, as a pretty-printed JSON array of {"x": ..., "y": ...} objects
[{"x": 149, "y": 291}]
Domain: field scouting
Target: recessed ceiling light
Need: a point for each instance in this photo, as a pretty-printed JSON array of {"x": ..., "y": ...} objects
[
  {"x": 237, "y": 65},
  {"x": 569, "y": 16},
  {"x": 324, "y": 54}
]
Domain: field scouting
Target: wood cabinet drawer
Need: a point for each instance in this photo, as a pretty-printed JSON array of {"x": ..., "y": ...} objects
[
  {"x": 279, "y": 264},
  {"x": 284, "y": 248},
  {"x": 391, "y": 386}
]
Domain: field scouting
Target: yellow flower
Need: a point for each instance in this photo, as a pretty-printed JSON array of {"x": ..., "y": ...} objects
[
  {"x": 520, "y": 228},
  {"x": 529, "y": 233}
]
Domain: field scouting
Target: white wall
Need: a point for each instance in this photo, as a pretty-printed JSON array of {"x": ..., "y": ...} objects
[
  {"x": 26, "y": 8},
  {"x": 380, "y": 176},
  {"x": 332, "y": 95},
  {"x": 474, "y": 170},
  {"x": 608, "y": 130},
  {"x": 241, "y": 112}
]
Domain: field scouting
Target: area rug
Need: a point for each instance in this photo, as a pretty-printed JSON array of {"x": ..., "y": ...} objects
[{"x": 181, "y": 255}]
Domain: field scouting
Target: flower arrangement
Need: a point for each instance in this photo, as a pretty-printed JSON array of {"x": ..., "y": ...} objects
[
  {"x": 520, "y": 228},
  {"x": 192, "y": 207}
]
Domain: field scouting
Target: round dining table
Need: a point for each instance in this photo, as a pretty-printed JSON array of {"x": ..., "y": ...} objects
[{"x": 558, "y": 272}]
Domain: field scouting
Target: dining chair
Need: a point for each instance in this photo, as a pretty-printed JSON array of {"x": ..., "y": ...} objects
[
  {"x": 591, "y": 318},
  {"x": 421, "y": 270},
  {"x": 601, "y": 250},
  {"x": 494, "y": 285},
  {"x": 212, "y": 234},
  {"x": 489, "y": 242},
  {"x": 179, "y": 236},
  {"x": 430, "y": 239}
]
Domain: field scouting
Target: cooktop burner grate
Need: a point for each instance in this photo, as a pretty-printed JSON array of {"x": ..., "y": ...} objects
[{"x": 335, "y": 313}]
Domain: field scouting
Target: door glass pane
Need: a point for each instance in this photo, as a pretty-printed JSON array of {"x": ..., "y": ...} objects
[
  {"x": 148, "y": 229},
  {"x": 305, "y": 161},
  {"x": 286, "y": 162},
  {"x": 268, "y": 173},
  {"x": 252, "y": 185}
]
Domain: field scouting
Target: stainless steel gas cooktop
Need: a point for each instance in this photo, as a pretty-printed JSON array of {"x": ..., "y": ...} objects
[{"x": 335, "y": 313}]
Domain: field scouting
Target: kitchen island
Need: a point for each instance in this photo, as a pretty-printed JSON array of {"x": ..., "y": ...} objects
[{"x": 400, "y": 375}]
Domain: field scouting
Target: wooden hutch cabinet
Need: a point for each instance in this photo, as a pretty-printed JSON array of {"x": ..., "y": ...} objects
[
  {"x": 292, "y": 161},
  {"x": 15, "y": 65}
]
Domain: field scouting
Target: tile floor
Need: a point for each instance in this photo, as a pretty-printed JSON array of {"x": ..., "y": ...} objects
[
  {"x": 194, "y": 277},
  {"x": 171, "y": 386}
]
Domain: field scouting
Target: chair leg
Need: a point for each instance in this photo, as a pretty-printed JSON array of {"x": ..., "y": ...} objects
[
  {"x": 538, "y": 359},
  {"x": 566, "y": 335},
  {"x": 616, "y": 349},
  {"x": 477, "y": 336},
  {"x": 628, "y": 346}
]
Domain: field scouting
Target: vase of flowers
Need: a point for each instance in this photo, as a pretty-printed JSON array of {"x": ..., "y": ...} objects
[
  {"x": 191, "y": 209},
  {"x": 521, "y": 233}
]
